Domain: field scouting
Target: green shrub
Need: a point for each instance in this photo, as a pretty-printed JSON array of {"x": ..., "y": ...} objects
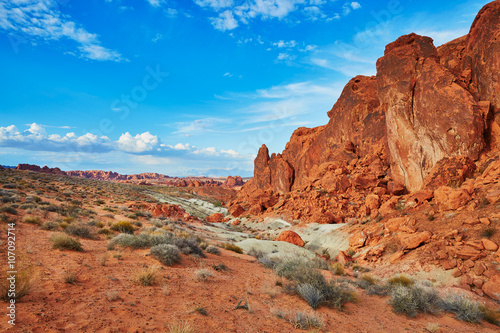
[
  {"x": 338, "y": 269},
  {"x": 166, "y": 254},
  {"x": 256, "y": 253},
  {"x": 305, "y": 321},
  {"x": 26, "y": 281},
  {"x": 491, "y": 316},
  {"x": 50, "y": 225},
  {"x": 124, "y": 227},
  {"x": 9, "y": 210},
  {"x": 147, "y": 276},
  {"x": 213, "y": 250},
  {"x": 79, "y": 230},
  {"x": 64, "y": 242},
  {"x": 413, "y": 299},
  {"x": 464, "y": 308},
  {"x": 233, "y": 247},
  {"x": 311, "y": 294},
  {"x": 401, "y": 280},
  {"x": 32, "y": 220}
]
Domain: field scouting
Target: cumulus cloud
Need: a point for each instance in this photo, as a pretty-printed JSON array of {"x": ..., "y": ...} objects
[
  {"x": 42, "y": 20},
  {"x": 137, "y": 144},
  {"x": 36, "y": 138},
  {"x": 225, "y": 21}
]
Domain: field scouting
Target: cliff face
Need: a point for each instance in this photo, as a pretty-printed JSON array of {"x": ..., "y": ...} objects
[{"x": 386, "y": 133}]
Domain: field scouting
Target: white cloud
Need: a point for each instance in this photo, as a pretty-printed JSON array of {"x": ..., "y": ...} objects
[
  {"x": 225, "y": 21},
  {"x": 215, "y": 4},
  {"x": 157, "y": 38},
  {"x": 227, "y": 74},
  {"x": 210, "y": 151},
  {"x": 355, "y": 5},
  {"x": 171, "y": 12},
  {"x": 231, "y": 153},
  {"x": 282, "y": 44},
  {"x": 138, "y": 144},
  {"x": 37, "y": 129},
  {"x": 41, "y": 20},
  {"x": 156, "y": 3}
]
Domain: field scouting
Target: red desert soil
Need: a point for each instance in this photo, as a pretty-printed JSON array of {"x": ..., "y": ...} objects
[{"x": 85, "y": 306}]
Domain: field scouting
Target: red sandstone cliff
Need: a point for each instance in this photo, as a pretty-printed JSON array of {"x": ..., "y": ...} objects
[{"x": 387, "y": 133}]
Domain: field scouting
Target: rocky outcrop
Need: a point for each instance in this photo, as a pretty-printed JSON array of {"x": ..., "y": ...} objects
[
  {"x": 36, "y": 168},
  {"x": 429, "y": 116},
  {"x": 421, "y": 123},
  {"x": 231, "y": 182},
  {"x": 215, "y": 218},
  {"x": 290, "y": 237}
]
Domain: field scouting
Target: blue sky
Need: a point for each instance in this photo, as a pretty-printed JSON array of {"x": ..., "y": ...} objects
[{"x": 192, "y": 86}]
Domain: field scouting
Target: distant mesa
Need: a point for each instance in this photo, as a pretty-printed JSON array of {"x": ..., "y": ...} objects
[{"x": 145, "y": 179}]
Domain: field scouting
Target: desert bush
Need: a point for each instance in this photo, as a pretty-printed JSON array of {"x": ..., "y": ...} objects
[
  {"x": 123, "y": 227},
  {"x": 491, "y": 316},
  {"x": 32, "y": 220},
  {"x": 79, "y": 230},
  {"x": 338, "y": 269},
  {"x": 189, "y": 246},
  {"x": 213, "y": 250},
  {"x": 256, "y": 253},
  {"x": 166, "y": 253},
  {"x": 401, "y": 280},
  {"x": 310, "y": 293},
  {"x": 203, "y": 274},
  {"x": 180, "y": 327},
  {"x": 488, "y": 232},
  {"x": 50, "y": 225},
  {"x": 306, "y": 321},
  {"x": 233, "y": 247},
  {"x": 464, "y": 308},
  {"x": 9, "y": 210},
  {"x": 26, "y": 281},
  {"x": 147, "y": 276},
  {"x": 64, "y": 242},
  {"x": 70, "y": 277},
  {"x": 412, "y": 300}
]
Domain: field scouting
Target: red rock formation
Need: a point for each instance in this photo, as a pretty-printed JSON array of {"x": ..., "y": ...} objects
[
  {"x": 452, "y": 171},
  {"x": 290, "y": 237},
  {"x": 215, "y": 218},
  {"x": 36, "y": 168},
  {"x": 429, "y": 116},
  {"x": 231, "y": 182}
]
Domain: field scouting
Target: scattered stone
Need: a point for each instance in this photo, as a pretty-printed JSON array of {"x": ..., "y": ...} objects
[
  {"x": 489, "y": 245},
  {"x": 448, "y": 198},
  {"x": 485, "y": 221}
]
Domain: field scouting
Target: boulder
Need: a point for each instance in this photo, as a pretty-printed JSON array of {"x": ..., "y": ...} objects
[
  {"x": 236, "y": 210},
  {"x": 372, "y": 201},
  {"x": 448, "y": 198},
  {"x": 412, "y": 241},
  {"x": 215, "y": 218},
  {"x": 492, "y": 287},
  {"x": 290, "y": 237}
]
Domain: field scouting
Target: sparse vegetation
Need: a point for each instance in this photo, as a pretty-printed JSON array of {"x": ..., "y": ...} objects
[
  {"x": 70, "y": 277},
  {"x": 26, "y": 282},
  {"x": 32, "y": 220},
  {"x": 64, "y": 242},
  {"x": 488, "y": 232},
  {"x": 233, "y": 247},
  {"x": 306, "y": 321},
  {"x": 213, "y": 250},
  {"x": 167, "y": 254},
  {"x": 412, "y": 300},
  {"x": 147, "y": 276},
  {"x": 180, "y": 327},
  {"x": 203, "y": 274},
  {"x": 124, "y": 227},
  {"x": 463, "y": 307},
  {"x": 79, "y": 230},
  {"x": 401, "y": 280}
]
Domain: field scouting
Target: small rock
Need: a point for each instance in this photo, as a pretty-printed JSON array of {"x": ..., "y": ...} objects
[
  {"x": 478, "y": 283},
  {"x": 396, "y": 256},
  {"x": 344, "y": 258},
  {"x": 485, "y": 221},
  {"x": 489, "y": 245},
  {"x": 469, "y": 263}
]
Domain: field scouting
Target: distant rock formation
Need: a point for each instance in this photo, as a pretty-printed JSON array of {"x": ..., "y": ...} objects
[
  {"x": 428, "y": 110},
  {"x": 146, "y": 179}
]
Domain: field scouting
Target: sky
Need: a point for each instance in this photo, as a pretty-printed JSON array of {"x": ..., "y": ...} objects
[{"x": 191, "y": 87}]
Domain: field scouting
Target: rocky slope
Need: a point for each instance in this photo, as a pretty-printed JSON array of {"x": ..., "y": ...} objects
[{"x": 426, "y": 109}]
